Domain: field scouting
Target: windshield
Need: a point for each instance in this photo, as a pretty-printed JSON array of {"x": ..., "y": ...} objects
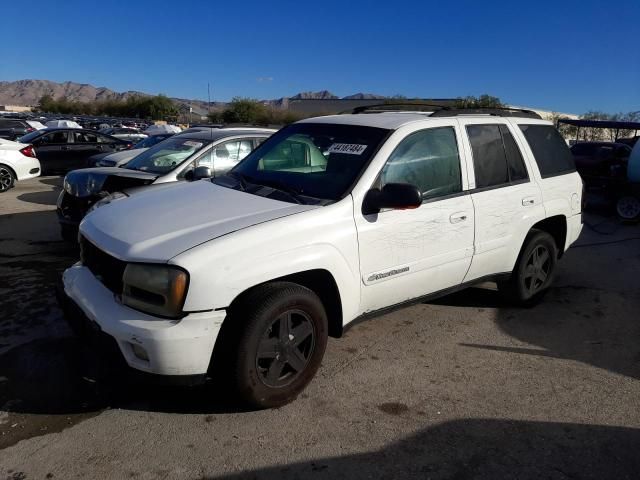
[
  {"x": 150, "y": 141},
  {"x": 165, "y": 156},
  {"x": 307, "y": 162}
]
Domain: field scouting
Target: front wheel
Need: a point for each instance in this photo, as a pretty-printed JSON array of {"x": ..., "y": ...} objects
[
  {"x": 6, "y": 178},
  {"x": 534, "y": 271},
  {"x": 280, "y": 343}
]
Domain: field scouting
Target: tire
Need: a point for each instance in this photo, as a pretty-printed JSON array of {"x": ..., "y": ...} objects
[
  {"x": 269, "y": 365},
  {"x": 628, "y": 208},
  {"x": 534, "y": 271},
  {"x": 69, "y": 233},
  {"x": 7, "y": 178}
]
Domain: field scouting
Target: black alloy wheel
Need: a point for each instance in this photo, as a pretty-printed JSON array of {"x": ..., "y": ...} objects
[
  {"x": 6, "y": 178},
  {"x": 285, "y": 348}
]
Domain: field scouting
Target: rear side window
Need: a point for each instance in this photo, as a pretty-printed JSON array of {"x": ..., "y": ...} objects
[
  {"x": 496, "y": 157},
  {"x": 515, "y": 162},
  {"x": 549, "y": 149}
]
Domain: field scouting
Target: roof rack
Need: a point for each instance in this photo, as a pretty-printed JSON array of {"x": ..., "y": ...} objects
[
  {"x": 494, "y": 111},
  {"x": 444, "y": 111},
  {"x": 384, "y": 107}
]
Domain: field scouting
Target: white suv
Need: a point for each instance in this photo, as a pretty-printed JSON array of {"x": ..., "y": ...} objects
[{"x": 330, "y": 220}]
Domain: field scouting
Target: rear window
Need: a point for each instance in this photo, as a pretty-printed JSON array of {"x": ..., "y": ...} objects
[{"x": 549, "y": 149}]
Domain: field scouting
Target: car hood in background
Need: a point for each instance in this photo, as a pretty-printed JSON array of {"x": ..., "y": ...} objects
[
  {"x": 158, "y": 224},
  {"x": 91, "y": 181},
  {"x": 119, "y": 158}
]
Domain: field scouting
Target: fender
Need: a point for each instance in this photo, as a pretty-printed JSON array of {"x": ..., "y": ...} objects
[{"x": 323, "y": 238}]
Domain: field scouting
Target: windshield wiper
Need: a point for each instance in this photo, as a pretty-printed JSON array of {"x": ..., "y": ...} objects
[
  {"x": 242, "y": 179},
  {"x": 283, "y": 187}
]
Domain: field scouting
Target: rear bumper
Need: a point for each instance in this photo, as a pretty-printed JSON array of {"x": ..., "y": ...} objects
[
  {"x": 174, "y": 348},
  {"x": 27, "y": 168},
  {"x": 574, "y": 228}
]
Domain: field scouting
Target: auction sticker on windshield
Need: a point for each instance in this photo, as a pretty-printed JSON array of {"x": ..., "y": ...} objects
[
  {"x": 350, "y": 148},
  {"x": 189, "y": 143}
]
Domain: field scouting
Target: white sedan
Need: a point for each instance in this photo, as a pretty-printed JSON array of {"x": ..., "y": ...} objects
[{"x": 17, "y": 162}]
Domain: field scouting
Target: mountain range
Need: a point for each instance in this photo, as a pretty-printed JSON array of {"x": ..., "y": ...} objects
[{"x": 29, "y": 92}]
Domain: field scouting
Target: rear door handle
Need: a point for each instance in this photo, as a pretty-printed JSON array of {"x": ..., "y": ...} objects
[
  {"x": 526, "y": 201},
  {"x": 64, "y": 148},
  {"x": 458, "y": 217}
]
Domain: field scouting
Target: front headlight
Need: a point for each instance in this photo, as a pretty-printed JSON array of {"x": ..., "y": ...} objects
[
  {"x": 107, "y": 200},
  {"x": 155, "y": 289}
]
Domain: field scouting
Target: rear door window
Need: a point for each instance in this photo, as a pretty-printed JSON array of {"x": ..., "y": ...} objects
[
  {"x": 489, "y": 159},
  {"x": 515, "y": 162},
  {"x": 549, "y": 149},
  {"x": 497, "y": 160},
  {"x": 55, "y": 138}
]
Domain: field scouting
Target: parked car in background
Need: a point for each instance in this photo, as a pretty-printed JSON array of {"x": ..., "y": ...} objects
[
  {"x": 601, "y": 163},
  {"x": 125, "y": 133},
  {"x": 182, "y": 157},
  {"x": 331, "y": 220},
  {"x": 14, "y": 128},
  {"x": 120, "y": 158},
  {"x": 17, "y": 162},
  {"x": 62, "y": 123},
  {"x": 62, "y": 149}
]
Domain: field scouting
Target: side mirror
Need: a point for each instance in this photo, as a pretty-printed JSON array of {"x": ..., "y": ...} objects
[
  {"x": 397, "y": 196},
  {"x": 201, "y": 172}
]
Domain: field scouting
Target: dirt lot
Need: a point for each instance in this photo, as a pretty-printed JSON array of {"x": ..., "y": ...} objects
[{"x": 465, "y": 387}]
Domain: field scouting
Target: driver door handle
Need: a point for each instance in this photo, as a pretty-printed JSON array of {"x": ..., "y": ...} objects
[
  {"x": 64, "y": 147},
  {"x": 458, "y": 217}
]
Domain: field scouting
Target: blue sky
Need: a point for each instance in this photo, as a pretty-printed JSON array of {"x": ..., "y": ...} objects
[{"x": 567, "y": 56}]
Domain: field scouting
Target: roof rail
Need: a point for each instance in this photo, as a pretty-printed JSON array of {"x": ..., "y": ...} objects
[
  {"x": 494, "y": 111},
  {"x": 382, "y": 107},
  {"x": 436, "y": 110}
]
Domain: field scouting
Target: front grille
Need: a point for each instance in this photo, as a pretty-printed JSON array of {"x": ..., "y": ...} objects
[
  {"x": 74, "y": 208},
  {"x": 107, "y": 269}
]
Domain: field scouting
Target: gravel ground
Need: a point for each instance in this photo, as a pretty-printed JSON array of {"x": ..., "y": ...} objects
[{"x": 464, "y": 387}]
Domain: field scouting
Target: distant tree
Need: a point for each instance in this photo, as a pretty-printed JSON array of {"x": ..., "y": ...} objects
[
  {"x": 483, "y": 101},
  {"x": 244, "y": 110},
  {"x": 215, "y": 116}
]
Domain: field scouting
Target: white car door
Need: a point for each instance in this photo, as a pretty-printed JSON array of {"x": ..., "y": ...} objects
[
  {"x": 506, "y": 198},
  {"x": 405, "y": 254}
]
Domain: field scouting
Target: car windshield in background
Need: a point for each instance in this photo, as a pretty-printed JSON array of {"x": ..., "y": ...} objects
[
  {"x": 150, "y": 141},
  {"x": 307, "y": 162},
  {"x": 165, "y": 156}
]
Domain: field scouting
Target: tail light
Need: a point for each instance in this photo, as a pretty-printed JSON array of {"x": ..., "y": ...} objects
[
  {"x": 31, "y": 129},
  {"x": 28, "y": 151}
]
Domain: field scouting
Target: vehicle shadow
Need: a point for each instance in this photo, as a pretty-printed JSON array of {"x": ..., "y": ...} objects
[
  {"x": 54, "y": 181},
  {"x": 482, "y": 448},
  {"x": 41, "y": 198},
  {"x": 590, "y": 315}
]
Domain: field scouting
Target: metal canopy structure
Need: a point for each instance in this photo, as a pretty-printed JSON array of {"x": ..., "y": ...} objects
[{"x": 611, "y": 124}]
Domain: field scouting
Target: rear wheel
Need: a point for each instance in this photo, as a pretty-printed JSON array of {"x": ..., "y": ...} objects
[
  {"x": 7, "y": 179},
  {"x": 534, "y": 270},
  {"x": 280, "y": 343},
  {"x": 628, "y": 208}
]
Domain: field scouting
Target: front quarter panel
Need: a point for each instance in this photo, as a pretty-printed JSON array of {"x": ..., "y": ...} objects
[{"x": 321, "y": 238}]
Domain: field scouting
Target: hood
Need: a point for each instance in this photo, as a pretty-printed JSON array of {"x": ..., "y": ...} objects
[
  {"x": 119, "y": 158},
  {"x": 87, "y": 182},
  {"x": 158, "y": 224}
]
